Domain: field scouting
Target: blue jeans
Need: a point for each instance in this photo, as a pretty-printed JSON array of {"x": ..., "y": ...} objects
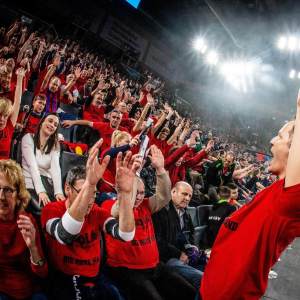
[{"x": 189, "y": 273}]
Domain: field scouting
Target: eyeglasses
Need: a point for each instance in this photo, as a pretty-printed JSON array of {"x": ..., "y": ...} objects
[
  {"x": 7, "y": 191},
  {"x": 78, "y": 191}
]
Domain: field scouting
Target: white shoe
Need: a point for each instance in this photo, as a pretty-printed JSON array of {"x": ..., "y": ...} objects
[{"x": 272, "y": 275}]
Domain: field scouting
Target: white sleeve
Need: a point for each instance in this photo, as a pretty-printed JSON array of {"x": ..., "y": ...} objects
[
  {"x": 55, "y": 172},
  {"x": 31, "y": 162}
]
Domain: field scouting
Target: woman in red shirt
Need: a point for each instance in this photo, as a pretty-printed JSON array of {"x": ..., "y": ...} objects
[{"x": 21, "y": 256}]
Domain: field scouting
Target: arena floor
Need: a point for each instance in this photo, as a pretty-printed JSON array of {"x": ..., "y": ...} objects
[{"x": 287, "y": 285}]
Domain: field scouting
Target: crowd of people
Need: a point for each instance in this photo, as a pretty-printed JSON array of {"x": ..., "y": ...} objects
[{"x": 118, "y": 227}]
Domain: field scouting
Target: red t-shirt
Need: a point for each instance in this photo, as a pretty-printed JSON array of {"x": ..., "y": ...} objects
[
  {"x": 105, "y": 132},
  {"x": 18, "y": 275},
  {"x": 141, "y": 252},
  {"x": 250, "y": 242},
  {"x": 93, "y": 113},
  {"x": 5, "y": 140},
  {"x": 32, "y": 123},
  {"x": 82, "y": 257}
]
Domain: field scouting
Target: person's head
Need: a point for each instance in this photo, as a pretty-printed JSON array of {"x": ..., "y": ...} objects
[
  {"x": 137, "y": 114},
  {"x": 128, "y": 107},
  {"x": 73, "y": 184},
  {"x": 120, "y": 138},
  {"x": 181, "y": 194},
  {"x": 48, "y": 127},
  {"x": 228, "y": 159},
  {"x": 280, "y": 149},
  {"x": 10, "y": 64},
  {"x": 234, "y": 191},
  {"x": 122, "y": 107},
  {"x": 98, "y": 99},
  {"x": 84, "y": 74},
  {"x": 54, "y": 84},
  {"x": 115, "y": 118},
  {"x": 14, "y": 196},
  {"x": 224, "y": 193},
  {"x": 5, "y": 78},
  {"x": 164, "y": 133},
  {"x": 148, "y": 87},
  {"x": 5, "y": 111},
  {"x": 39, "y": 103}
]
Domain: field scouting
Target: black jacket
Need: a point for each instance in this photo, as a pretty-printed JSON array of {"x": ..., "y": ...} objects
[
  {"x": 218, "y": 214},
  {"x": 170, "y": 238}
]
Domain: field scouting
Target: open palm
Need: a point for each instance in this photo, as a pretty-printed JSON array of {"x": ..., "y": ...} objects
[{"x": 94, "y": 169}]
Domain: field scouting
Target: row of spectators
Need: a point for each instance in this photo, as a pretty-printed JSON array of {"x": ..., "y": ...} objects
[{"x": 103, "y": 232}]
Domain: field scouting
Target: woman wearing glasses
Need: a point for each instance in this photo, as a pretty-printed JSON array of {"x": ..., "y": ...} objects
[
  {"x": 40, "y": 162},
  {"x": 21, "y": 257}
]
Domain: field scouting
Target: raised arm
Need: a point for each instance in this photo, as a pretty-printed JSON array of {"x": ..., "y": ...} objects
[
  {"x": 141, "y": 119},
  {"x": 95, "y": 170},
  {"x": 293, "y": 163},
  {"x": 18, "y": 94},
  {"x": 162, "y": 194},
  {"x": 174, "y": 136}
]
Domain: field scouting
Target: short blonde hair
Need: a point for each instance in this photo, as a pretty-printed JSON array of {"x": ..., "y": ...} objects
[
  {"x": 5, "y": 106},
  {"x": 13, "y": 173},
  {"x": 118, "y": 136}
]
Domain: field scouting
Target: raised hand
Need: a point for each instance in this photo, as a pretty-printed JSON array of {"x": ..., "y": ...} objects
[
  {"x": 126, "y": 171},
  {"x": 157, "y": 158},
  {"x": 20, "y": 73},
  {"x": 94, "y": 169},
  {"x": 209, "y": 145},
  {"x": 27, "y": 230}
]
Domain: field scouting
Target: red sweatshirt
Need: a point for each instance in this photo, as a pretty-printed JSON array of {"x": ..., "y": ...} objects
[
  {"x": 18, "y": 275},
  {"x": 180, "y": 160}
]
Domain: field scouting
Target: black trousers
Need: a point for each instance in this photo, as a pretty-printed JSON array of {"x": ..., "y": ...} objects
[{"x": 152, "y": 284}]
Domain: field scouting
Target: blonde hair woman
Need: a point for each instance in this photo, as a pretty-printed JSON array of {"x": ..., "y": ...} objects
[{"x": 21, "y": 254}]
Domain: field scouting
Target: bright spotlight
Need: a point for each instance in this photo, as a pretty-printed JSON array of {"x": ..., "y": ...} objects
[
  {"x": 212, "y": 58},
  {"x": 281, "y": 44},
  {"x": 200, "y": 45},
  {"x": 292, "y": 74},
  {"x": 292, "y": 43}
]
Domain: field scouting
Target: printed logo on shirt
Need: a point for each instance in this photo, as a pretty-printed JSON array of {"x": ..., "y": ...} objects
[
  {"x": 143, "y": 242},
  {"x": 86, "y": 239},
  {"x": 81, "y": 262},
  {"x": 143, "y": 222},
  {"x": 231, "y": 225}
]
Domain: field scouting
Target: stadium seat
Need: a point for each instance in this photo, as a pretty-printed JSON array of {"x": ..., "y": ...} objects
[
  {"x": 203, "y": 213},
  {"x": 192, "y": 211},
  {"x": 199, "y": 234},
  {"x": 69, "y": 160}
]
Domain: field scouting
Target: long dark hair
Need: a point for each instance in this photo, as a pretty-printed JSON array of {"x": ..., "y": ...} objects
[{"x": 53, "y": 139}]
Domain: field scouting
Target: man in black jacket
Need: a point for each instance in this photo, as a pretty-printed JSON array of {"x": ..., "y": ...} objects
[{"x": 174, "y": 233}]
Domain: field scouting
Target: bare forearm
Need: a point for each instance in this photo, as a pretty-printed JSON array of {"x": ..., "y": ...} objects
[
  {"x": 293, "y": 164},
  {"x": 163, "y": 191},
  {"x": 126, "y": 217},
  {"x": 34, "y": 253},
  {"x": 17, "y": 101},
  {"x": 79, "y": 207}
]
